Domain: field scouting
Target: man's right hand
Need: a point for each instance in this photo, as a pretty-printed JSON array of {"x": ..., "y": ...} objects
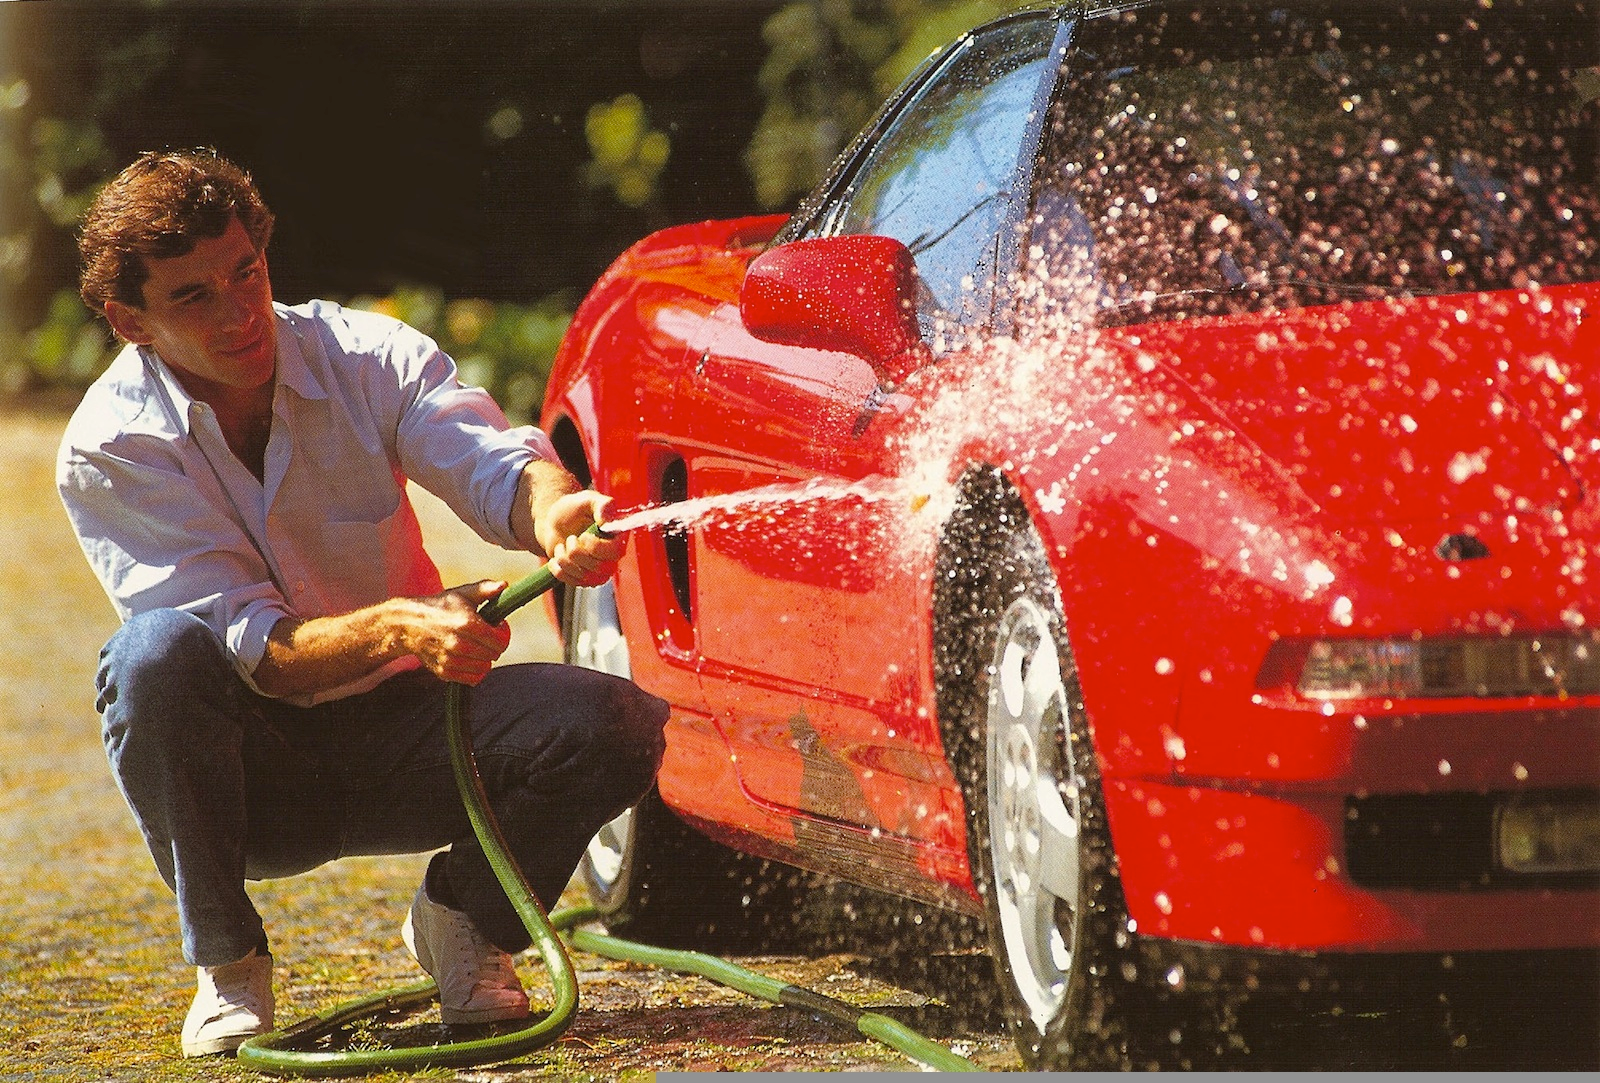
[{"x": 448, "y": 636}]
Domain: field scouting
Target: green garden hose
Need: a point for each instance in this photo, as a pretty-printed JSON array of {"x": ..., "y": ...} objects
[{"x": 276, "y": 1052}]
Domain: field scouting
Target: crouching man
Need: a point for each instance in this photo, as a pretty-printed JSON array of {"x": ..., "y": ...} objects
[{"x": 275, "y": 696}]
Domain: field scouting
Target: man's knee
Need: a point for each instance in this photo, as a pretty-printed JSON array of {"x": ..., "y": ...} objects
[
  {"x": 159, "y": 666},
  {"x": 633, "y": 729}
]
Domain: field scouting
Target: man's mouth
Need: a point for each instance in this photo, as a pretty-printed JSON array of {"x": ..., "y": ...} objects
[{"x": 250, "y": 345}]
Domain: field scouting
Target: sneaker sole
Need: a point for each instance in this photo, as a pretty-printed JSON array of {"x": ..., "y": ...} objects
[
  {"x": 224, "y": 1043},
  {"x": 484, "y": 1015}
]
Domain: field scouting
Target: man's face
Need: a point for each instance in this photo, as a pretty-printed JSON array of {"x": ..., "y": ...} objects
[{"x": 208, "y": 313}]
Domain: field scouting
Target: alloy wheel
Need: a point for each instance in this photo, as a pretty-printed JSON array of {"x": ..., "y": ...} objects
[{"x": 1034, "y": 810}]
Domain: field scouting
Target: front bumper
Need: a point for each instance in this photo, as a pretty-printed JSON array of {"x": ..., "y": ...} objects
[{"x": 1270, "y": 869}]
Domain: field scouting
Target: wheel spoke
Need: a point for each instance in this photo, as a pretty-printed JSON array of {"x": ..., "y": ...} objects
[
  {"x": 1013, "y": 692},
  {"x": 1058, "y": 850},
  {"x": 1044, "y": 678}
]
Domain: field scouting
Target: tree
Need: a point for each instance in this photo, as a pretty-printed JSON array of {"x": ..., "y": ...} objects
[{"x": 830, "y": 64}]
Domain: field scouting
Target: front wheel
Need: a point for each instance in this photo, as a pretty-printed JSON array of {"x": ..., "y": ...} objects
[{"x": 1017, "y": 735}]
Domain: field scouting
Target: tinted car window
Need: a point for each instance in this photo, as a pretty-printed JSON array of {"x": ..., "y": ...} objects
[
  {"x": 940, "y": 180},
  {"x": 1208, "y": 158}
]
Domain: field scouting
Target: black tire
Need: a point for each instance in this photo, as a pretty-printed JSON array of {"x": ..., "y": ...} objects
[
  {"x": 1057, "y": 923},
  {"x": 652, "y": 877}
]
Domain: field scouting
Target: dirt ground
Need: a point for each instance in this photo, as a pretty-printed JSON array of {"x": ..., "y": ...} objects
[{"x": 91, "y": 983}]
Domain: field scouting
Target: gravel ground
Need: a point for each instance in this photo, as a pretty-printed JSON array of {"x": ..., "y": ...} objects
[{"x": 91, "y": 983}]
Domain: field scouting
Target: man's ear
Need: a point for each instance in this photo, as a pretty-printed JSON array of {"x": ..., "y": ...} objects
[{"x": 128, "y": 322}]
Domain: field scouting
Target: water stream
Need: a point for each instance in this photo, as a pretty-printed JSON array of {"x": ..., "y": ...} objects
[{"x": 895, "y": 496}]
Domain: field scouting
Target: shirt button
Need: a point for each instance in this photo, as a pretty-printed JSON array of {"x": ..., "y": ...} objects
[{"x": 300, "y": 586}]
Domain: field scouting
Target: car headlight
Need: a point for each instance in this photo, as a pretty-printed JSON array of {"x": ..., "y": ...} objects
[{"x": 1457, "y": 667}]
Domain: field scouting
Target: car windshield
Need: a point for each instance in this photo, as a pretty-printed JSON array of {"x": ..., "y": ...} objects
[{"x": 1211, "y": 159}]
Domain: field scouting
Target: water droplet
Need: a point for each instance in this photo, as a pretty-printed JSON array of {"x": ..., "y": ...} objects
[{"x": 1342, "y": 612}]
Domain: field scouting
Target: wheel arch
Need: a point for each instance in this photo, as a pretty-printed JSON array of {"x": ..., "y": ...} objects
[{"x": 569, "y": 447}]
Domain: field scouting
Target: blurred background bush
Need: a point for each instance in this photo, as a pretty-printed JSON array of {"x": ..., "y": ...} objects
[{"x": 470, "y": 166}]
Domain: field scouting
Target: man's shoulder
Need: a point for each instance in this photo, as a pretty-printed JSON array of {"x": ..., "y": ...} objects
[{"x": 122, "y": 400}]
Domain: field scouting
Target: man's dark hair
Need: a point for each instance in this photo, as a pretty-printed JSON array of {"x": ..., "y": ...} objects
[{"x": 157, "y": 208}]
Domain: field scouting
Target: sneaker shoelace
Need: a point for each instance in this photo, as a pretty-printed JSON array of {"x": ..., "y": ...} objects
[
  {"x": 490, "y": 965},
  {"x": 242, "y": 994}
]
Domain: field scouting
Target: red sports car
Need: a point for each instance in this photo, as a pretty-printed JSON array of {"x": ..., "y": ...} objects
[{"x": 1174, "y": 431}]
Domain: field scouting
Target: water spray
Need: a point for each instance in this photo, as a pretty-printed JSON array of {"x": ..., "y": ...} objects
[{"x": 283, "y": 1052}]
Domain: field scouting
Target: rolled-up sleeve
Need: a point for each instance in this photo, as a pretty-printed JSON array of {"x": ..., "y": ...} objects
[
  {"x": 156, "y": 542},
  {"x": 454, "y": 441}
]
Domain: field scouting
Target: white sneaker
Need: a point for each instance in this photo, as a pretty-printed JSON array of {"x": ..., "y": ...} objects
[
  {"x": 231, "y": 1003},
  {"x": 477, "y": 983}
]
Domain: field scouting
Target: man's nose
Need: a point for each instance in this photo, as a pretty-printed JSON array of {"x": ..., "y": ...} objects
[{"x": 237, "y": 307}]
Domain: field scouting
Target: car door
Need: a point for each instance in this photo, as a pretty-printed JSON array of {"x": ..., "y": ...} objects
[{"x": 812, "y": 652}]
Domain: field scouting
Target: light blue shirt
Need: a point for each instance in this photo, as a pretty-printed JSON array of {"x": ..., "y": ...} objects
[{"x": 169, "y": 518}]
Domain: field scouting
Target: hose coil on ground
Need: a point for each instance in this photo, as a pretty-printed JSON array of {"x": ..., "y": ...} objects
[{"x": 282, "y": 1051}]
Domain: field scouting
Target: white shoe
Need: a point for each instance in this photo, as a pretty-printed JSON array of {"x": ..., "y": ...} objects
[
  {"x": 477, "y": 983},
  {"x": 232, "y": 1003}
]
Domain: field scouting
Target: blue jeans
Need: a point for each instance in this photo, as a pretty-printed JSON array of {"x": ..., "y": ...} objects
[{"x": 227, "y": 785}]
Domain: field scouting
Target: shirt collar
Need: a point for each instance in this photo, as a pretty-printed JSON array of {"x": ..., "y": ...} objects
[
  {"x": 292, "y": 371},
  {"x": 175, "y": 401}
]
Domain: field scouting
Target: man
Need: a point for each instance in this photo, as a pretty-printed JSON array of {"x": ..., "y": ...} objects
[{"x": 274, "y": 699}]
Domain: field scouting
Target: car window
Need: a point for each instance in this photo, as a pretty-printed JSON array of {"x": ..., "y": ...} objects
[
  {"x": 940, "y": 179},
  {"x": 1208, "y": 158}
]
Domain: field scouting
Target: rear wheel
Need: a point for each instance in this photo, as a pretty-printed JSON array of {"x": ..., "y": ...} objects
[
  {"x": 591, "y": 636},
  {"x": 651, "y": 876},
  {"x": 1018, "y": 740}
]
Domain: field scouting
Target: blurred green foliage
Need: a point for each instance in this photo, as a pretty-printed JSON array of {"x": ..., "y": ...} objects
[
  {"x": 67, "y": 350},
  {"x": 830, "y": 64},
  {"x": 629, "y": 154},
  {"x": 50, "y": 167}
]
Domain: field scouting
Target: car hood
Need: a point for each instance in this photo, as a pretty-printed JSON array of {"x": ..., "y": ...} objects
[{"x": 1458, "y": 410}]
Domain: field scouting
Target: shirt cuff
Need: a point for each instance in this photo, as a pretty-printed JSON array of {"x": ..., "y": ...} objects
[
  {"x": 502, "y": 501},
  {"x": 247, "y": 637}
]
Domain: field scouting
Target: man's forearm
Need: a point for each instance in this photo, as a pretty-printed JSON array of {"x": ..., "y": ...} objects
[
  {"x": 309, "y": 656},
  {"x": 541, "y": 485},
  {"x": 443, "y": 631}
]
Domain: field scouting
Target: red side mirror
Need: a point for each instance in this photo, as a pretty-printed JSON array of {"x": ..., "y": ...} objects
[{"x": 855, "y": 294}]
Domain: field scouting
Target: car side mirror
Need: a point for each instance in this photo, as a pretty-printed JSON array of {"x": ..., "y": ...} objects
[{"x": 855, "y": 294}]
